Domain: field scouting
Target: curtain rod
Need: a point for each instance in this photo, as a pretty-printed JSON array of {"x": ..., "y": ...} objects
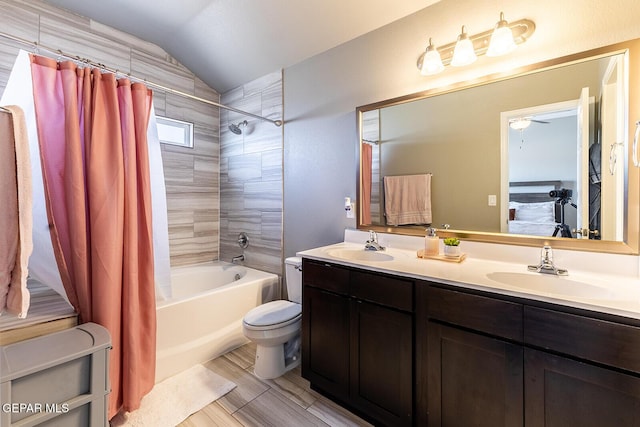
[{"x": 59, "y": 53}]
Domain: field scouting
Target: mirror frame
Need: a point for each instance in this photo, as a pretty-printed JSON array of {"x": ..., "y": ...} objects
[{"x": 630, "y": 243}]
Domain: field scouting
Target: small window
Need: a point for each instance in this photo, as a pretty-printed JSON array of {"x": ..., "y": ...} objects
[{"x": 175, "y": 132}]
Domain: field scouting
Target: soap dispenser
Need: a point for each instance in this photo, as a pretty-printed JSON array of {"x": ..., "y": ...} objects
[{"x": 431, "y": 242}]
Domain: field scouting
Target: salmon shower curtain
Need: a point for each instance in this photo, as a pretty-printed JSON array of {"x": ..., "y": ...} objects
[
  {"x": 92, "y": 132},
  {"x": 365, "y": 164}
]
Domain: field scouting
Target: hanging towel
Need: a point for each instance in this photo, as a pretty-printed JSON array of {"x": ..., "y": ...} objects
[
  {"x": 407, "y": 199},
  {"x": 16, "y": 222}
]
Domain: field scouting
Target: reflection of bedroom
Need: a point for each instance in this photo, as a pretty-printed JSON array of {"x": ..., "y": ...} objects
[
  {"x": 551, "y": 147},
  {"x": 465, "y": 148}
]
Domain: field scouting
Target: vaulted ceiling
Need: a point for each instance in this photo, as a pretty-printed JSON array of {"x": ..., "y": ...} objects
[{"x": 230, "y": 42}]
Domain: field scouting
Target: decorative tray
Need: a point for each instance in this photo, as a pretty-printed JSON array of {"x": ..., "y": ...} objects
[{"x": 442, "y": 257}]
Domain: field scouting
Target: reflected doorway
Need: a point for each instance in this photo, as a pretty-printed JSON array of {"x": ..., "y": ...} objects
[{"x": 552, "y": 198}]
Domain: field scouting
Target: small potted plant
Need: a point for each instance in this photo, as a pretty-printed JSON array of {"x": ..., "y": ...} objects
[{"x": 452, "y": 247}]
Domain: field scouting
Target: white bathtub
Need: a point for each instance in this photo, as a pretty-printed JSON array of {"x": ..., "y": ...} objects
[{"x": 203, "y": 319}]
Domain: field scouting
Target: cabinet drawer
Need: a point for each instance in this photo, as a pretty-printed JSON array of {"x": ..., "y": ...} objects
[
  {"x": 385, "y": 290},
  {"x": 601, "y": 341},
  {"x": 325, "y": 276},
  {"x": 483, "y": 314}
]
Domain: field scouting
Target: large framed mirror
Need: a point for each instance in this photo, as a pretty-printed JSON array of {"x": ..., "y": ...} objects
[{"x": 539, "y": 155}]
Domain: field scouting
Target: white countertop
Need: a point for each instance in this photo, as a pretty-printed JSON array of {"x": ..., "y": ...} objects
[{"x": 591, "y": 291}]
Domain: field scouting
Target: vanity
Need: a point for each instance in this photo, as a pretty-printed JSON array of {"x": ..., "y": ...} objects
[
  {"x": 405, "y": 341},
  {"x": 513, "y": 362},
  {"x": 357, "y": 339}
]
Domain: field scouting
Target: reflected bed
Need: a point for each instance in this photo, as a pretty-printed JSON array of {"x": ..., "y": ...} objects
[{"x": 531, "y": 210}]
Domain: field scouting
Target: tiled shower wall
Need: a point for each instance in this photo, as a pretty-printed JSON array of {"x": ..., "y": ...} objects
[
  {"x": 251, "y": 175},
  {"x": 191, "y": 175}
]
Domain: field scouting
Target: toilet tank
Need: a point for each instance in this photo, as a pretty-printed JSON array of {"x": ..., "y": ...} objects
[{"x": 293, "y": 272}]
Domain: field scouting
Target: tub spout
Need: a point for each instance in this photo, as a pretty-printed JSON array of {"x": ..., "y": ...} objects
[{"x": 238, "y": 258}]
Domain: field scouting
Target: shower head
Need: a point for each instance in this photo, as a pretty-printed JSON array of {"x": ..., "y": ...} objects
[{"x": 235, "y": 128}]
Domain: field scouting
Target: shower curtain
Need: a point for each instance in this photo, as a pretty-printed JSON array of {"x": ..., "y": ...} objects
[
  {"x": 92, "y": 133},
  {"x": 125, "y": 306},
  {"x": 42, "y": 264},
  {"x": 366, "y": 174}
]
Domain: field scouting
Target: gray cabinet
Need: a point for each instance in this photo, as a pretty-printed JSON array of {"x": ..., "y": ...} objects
[{"x": 59, "y": 379}]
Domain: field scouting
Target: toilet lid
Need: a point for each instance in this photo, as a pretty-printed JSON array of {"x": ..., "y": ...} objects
[{"x": 272, "y": 313}]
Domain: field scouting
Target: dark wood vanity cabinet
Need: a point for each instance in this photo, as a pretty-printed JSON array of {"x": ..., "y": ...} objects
[
  {"x": 595, "y": 378},
  {"x": 407, "y": 352},
  {"x": 357, "y": 340},
  {"x": 474, "y": 369},
  {"x": 474, "y": 380},
  {"x": 562, "y": 391},
  {"x": 381, "y": 374},
  {"x": 325, "y": 341},
  {"x": 325, "y": 327},
  {"x": 499, "y": 361}
]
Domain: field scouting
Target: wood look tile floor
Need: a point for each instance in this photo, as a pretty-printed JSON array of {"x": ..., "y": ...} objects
[{"x": 282, "y": 402}]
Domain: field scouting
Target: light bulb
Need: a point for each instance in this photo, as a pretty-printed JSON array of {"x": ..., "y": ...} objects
[
  {"x": 431, "y": 63},
  {"x": 463, "y": 53},
  {"x": 501, "y": 39}
]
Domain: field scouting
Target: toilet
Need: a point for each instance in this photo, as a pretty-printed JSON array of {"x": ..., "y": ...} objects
[{"x": 275, "y": 327}]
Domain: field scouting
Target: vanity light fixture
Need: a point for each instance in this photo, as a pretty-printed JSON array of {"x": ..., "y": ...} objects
[
  {"x": 463, "y": 52},
  {"x": 500, "y": 40},
  {"x": 432, "y": 63}
]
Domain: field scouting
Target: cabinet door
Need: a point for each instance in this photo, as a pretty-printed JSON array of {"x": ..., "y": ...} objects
[
  {"x": 325, "y": 341},
  {"x": 564, "y": 392},
  {"x": 600, "y": 341},
  {"x": 381, "y": 363},
  {"x": 473, "y": 380}
]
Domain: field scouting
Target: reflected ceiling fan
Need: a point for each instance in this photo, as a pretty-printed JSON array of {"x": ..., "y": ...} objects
[{"x": 521, "y": 123}]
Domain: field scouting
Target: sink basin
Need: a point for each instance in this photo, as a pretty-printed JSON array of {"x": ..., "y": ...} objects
[
  {"x": 360, "y": 255},
  {"x": 556, "y": 285}
]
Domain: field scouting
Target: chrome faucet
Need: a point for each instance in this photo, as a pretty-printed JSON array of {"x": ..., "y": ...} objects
[
  {"x": 372, "y": 244},
  {"x": 237, "y": 259},
  {"x": 546, "y": 264}
]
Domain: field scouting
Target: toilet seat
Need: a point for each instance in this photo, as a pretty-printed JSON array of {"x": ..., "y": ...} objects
[{"x": 273, "y": 315}]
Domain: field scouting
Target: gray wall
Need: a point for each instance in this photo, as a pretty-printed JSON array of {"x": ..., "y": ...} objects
[
  {"x": 550, "y": 146},
  {"x": 321, "y": 93}
]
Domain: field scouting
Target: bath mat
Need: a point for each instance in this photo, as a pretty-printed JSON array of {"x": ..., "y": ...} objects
[{"x": 174, "y": 399}]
